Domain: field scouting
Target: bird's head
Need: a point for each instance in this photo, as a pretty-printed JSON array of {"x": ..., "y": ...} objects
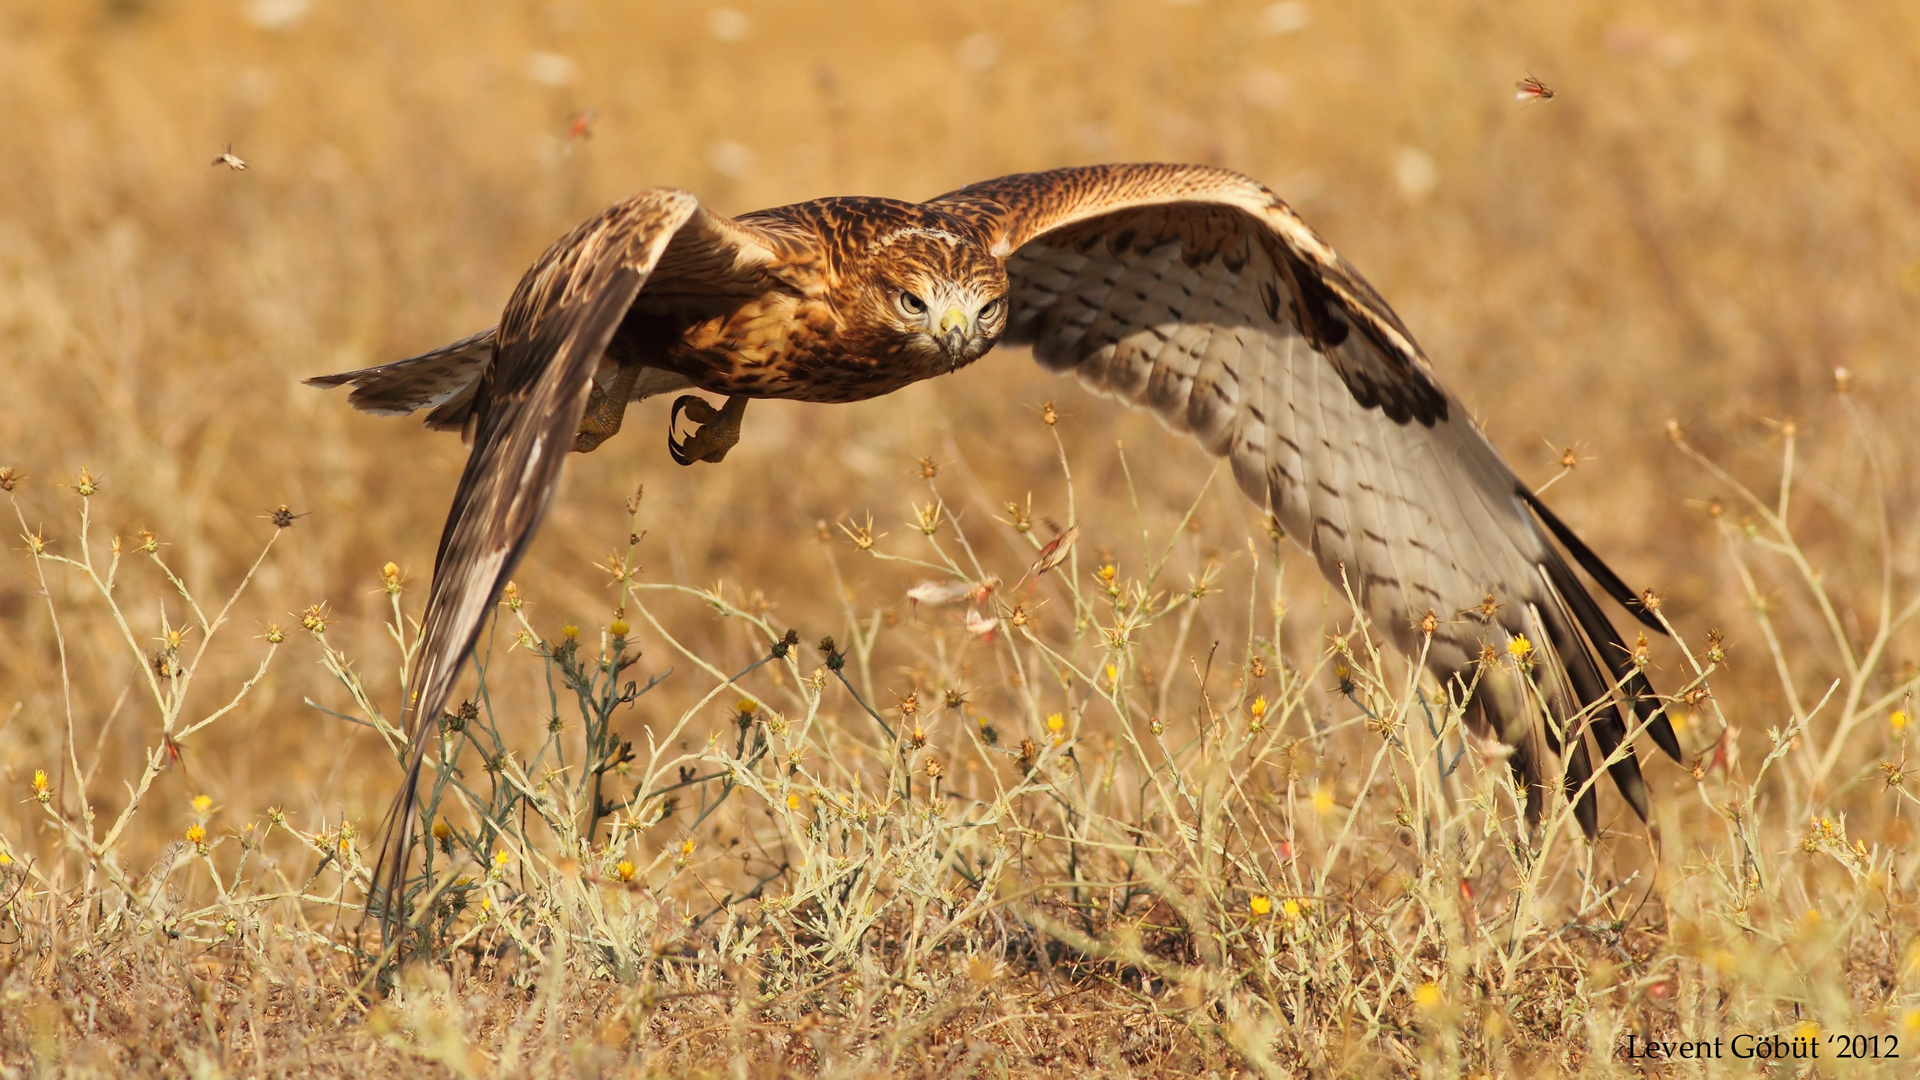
[{"x": 940, "y": 296}]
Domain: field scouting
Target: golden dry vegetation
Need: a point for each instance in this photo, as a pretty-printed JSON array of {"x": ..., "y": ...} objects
[{"x": 1183, "y": 819}]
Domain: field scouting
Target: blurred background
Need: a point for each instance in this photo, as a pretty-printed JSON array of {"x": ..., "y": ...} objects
[{"x": 1716, "y": 209}]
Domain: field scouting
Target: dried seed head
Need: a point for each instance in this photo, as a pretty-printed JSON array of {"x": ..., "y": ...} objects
[
  {"x": 1568, "y": 459},
  {"x": 1154, "y": 725},
  {"x": 314, "y": 618},
  {"x": 1716, "y": 648},
  {"x": 1842, "y": 380},
  {"x": 1029, "y": 755},
  {"x": 1049, "y": 415},
  {"x": 934, "y": 769},
  {"x": 1650, "y": 600},
  {"x": 1257, "y": 667},
  {"x": 511, "y": 597},
  {"x": 1673, "y": 431},
  {"x": 283, "y": 517},
  {"x": 1715, "y": 508},
  {"x": 910, "y": 705},
  {"x": 927, "y": 518},
  {"x": 1019, "y": 616},
  {"x": 9, "y": 479},
  {"x": 929, "y": 468},
  {"x": 275, "y": 635},
  {"x": 916, "y": 738},
  {"x": 1022, "y": 518},
  {"x": 1429, "y": 623},
  {"x": 861, "y": 534}
]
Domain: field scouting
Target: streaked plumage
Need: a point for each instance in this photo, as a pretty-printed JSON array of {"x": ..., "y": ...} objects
[{"x": 1192, "y": 292}]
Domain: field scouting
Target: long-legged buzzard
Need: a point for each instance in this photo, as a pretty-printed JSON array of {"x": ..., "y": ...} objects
[{"x": 1190, "y": 291}]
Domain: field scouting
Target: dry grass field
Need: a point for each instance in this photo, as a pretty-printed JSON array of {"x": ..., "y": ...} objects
[{"x": 1179, "y": 816}]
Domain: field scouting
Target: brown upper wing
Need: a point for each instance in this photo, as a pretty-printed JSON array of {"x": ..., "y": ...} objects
[
  {"x": 1196, "y": 293},
  {"x": 527, "y": 409}
]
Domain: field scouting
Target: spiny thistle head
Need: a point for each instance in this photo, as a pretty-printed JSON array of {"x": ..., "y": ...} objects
[
  {"x": 619, "y": 628},
  {"x": 196, "y": 834},
  {"x": 314, "y": 619},
  {"x": 934, "y": 769},
  {"x": 512, "y": 597},
  {"x": 87, "y": 484},
  {"x": 10, "y": 479},
  {"x": 40, "y": 791},
  {"x": 283, "y": 516}
]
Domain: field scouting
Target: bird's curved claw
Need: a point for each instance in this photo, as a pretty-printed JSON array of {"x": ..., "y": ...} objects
[{"x": 715, "y": 432}]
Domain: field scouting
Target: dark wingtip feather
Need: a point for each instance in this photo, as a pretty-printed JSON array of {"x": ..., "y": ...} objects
[
  {"x": 1586, "y": 806},
  {"x": 1590, "y": 562}
]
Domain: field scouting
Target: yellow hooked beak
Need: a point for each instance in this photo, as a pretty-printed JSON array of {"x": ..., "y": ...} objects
[{"x": 953, "y": 333}]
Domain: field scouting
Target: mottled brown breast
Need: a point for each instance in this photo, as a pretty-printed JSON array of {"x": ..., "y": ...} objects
[{"x": 821, "y": 335}]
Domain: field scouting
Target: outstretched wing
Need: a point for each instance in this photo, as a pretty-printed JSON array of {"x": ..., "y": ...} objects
[
  {"x": 526, "y": 410},
  {"x": 1198, "y": 294}
]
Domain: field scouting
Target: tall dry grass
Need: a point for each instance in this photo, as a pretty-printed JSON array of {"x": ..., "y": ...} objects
[{"x": 1714, "y": 213}]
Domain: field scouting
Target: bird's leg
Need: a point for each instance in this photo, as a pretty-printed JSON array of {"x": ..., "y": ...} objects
[
  {"x": 717, "y": 430},
  {"x": 606, "y": 408}
]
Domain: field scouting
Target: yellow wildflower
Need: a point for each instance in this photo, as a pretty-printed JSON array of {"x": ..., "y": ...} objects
[
  {"x": 686, "y": 846},
  {"x": 1898, "y": 721},
  {"x": 442, "y": 830},
  {"x": 1259, "y": 707},
  {"x": 1520, "y": 648},
  {"x": 793, "y": 802},
  {"x": 202, "y": 804},
  {"x": 1259, "y": 905},
  {"x": 196, "y": 834},
  {"x": 624, "y": 870},
  {"x": 1291, "y": 909},
  {"x": 40, "y": 791},
  {"x": 501, "y": 858},
  {"x": 619, "y": 628},
  {"x": 5, "y": 859},
  {"x": 1427, "y": 996},
  {"x": 747, "y": 706},
  {"x": 570, "y": 632}
]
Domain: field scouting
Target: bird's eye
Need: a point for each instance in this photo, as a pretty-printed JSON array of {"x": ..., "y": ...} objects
[
  {"x": 912, "y": 304},
  {"x": 992, "y": 308}
]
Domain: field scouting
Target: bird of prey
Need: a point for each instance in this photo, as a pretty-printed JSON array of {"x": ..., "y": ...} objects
[{"x": 1190, "y": 291}]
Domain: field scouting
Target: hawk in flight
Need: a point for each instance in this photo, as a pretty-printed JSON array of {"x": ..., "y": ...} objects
[{"x": 1190, "y": 291}]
